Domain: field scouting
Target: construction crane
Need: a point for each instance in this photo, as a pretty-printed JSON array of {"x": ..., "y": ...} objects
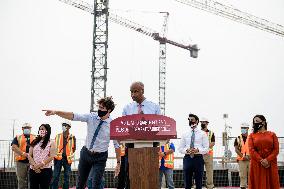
[
  {"x": 162, "y": 65},
  {"x": 234, "y": 14},
  {"x": 160, "y": 37}
]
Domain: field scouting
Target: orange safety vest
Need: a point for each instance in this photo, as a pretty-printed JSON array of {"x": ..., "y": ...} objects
[
  {"x": 69, "y": 147},
  {"x": 122, "y": 150},
  {"x": 169, "y": 158},
  {"x": 209, "y": 134},
  {"x": 22, "y": 141},
  {"x": 243, "y": 147}
]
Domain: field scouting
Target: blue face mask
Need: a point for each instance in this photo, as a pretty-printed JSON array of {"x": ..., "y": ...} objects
[
  {"x": 244, "y": 131},
  {"x": 27, "y": 131}
]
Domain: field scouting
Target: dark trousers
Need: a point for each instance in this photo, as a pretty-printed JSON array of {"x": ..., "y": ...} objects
[
  {"x": 122, "y": 174},
  {"x": 56, "y": 173},
  {"x": 89, "y": 160},
  {"x": 40, "y": 180},
  {"x": 193, "y": 165}
]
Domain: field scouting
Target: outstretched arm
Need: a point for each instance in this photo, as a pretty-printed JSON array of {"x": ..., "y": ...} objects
[{"x": 65, "y": 115}]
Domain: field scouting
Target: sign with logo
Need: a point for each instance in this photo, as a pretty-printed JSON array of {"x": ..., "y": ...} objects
[{"x": 143, "y": 127}]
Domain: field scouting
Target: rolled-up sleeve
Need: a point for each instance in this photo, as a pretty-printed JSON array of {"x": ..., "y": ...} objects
[{"x": 81, "y": 117}]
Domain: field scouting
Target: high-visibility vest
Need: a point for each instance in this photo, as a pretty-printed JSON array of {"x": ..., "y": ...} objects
[
  {"x": 69, "y": 147},
  {"x": 243, "y": 147},
  {"x": 122, "y": 150},
  {"x": 210, "y": 134},
  {"x": 169, "y": 158},
  {"x": 22, "y": 141}
]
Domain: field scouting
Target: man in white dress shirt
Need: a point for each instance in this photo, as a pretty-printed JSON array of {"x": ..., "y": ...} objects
[
  {"x": 140, "y": 105},
  {"x": 194, "y": 144}
]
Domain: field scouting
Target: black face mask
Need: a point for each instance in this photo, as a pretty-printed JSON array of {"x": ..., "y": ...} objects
[
  {"x": 203, "y": 126},
  {"x": 257, "y": 126},
  {"x": 191, "y": 123},
  {"x": 102, "y": 113}
]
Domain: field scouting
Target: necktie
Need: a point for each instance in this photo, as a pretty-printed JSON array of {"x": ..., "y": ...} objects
[
  {"x": 96, "y": 134},
  {"x": 140, "y": 111},
  {"x": 192, "y": 142}
]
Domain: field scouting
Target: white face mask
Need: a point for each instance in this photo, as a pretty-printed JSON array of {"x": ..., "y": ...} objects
[
  {"x": 64, "y": 128},
  {"x": 42, "y": 133}
]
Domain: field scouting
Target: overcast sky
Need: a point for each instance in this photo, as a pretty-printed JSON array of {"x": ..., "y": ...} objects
[{"x": 46, "y": 51}]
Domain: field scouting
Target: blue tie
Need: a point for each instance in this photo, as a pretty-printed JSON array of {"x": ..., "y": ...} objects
[
  {"x": 192, "y": 139},
  {"x": 96, "y": 134},
  {"x": 192, "y": 142}
]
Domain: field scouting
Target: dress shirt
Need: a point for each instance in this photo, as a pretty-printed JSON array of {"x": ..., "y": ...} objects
[
  {"x": 148, "y": 107},
  {"x": 201, "y": 141},
  {"x": 102, "y": 141}
]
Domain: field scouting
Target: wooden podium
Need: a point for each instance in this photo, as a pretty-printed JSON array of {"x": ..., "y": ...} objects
[{"x": 143, "y": 130}]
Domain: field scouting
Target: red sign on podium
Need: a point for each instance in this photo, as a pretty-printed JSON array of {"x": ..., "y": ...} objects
[{"x": 143, "y": 127}]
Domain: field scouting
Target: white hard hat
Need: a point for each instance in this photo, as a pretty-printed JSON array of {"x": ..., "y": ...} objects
[
  {"x": 66, "y": 122},
  {"x": 27, "y": 125},
  {"x": 245, "y": 125},
  {"x": 204, "y": 119}
]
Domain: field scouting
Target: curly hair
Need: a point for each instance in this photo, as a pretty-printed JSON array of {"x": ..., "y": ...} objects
[{"x": 107, "y": 102}]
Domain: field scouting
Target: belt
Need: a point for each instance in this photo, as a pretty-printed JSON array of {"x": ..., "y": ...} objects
[
  {"x": 93, "y": 152},
  {"x": 195, "y": 155}
]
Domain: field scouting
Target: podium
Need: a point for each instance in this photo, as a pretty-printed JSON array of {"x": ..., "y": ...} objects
[{"x": 143, "y": 130}]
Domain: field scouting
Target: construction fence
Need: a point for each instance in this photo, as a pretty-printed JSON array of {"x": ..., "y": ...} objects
[{"x": 226, "y": 173}]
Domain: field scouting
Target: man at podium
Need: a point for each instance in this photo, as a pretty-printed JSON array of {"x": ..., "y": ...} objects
[{"x": 140, "y": 105}]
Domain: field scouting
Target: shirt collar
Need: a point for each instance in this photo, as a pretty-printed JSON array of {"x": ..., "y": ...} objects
[
  {"x": 143, "y": 103},
  {"x": 108, "y": 120},
  {"x": 195, "y": 129}
]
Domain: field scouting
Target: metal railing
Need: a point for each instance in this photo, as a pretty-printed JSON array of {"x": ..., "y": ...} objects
[{"x": 220, "y": 161}]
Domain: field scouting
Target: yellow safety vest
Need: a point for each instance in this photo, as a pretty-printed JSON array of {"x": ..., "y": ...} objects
[
  {"x": 22, "y": 141},
  {"x": 69, "y": 147},
  {"x": 122, "y": 150},
  {"x": 243, "y": 147},
  {"x": 210, "y": 134},
  {"x": 169, "y": 158}
]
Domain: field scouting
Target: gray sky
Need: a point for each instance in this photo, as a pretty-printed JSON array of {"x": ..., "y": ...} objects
[{"x": 46, "y": 50}]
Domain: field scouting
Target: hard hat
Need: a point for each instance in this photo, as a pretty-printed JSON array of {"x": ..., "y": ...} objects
[
  {"x": 244, "y": 125},
  {"x": 66, "y": 122},
  {"x": 27, "y": 125},
  {"x": 204, "y": 119}
]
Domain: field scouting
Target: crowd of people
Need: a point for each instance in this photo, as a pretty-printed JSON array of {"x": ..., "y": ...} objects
[{"x": 35, "y": 154}]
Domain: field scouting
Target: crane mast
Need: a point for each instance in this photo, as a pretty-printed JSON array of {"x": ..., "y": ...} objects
[
  {"x": 234, "y": 14},
  {"x": 162, "y": 65},
  {"x": 101, "y": 80},
  {"x": 99, "y": 58}
]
